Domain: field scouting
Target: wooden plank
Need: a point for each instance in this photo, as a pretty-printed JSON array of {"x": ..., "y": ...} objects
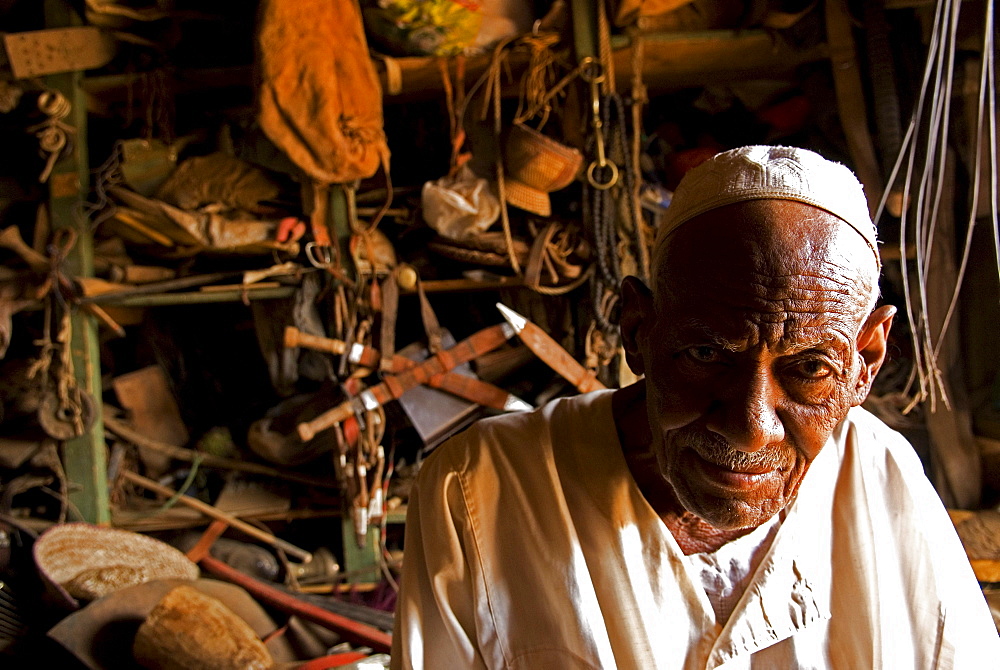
[
  {"x": 851, "y": 99},
  {"x": 153, "y": 411},
  {"x": 954, "y": 452}
]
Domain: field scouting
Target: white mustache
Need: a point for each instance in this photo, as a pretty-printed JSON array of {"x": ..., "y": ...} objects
[{"x": 716, "y": 450}]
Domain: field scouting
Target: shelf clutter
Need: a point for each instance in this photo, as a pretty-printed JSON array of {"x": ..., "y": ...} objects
[{"x": 257, "y": 262}]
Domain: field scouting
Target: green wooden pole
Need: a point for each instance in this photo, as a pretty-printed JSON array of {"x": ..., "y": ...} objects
[
  {"x": 584, "y": 28},
  {"x": 84, "y": 457}
]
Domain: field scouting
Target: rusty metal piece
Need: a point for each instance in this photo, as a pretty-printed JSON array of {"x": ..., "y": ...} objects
[
  {"x": 64, "y": 422},
  {"x": 40, "y": 52},
  {"x": 350, "y": 630},
  {"x": 550, "y": 352}
]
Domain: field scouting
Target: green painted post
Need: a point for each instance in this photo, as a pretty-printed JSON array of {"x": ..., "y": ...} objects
[
  {"x": 84, "y": 457},
  {"x": 584, "y": 14}
]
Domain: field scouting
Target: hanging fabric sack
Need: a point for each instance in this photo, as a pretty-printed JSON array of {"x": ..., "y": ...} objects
[{"x": 320, "y": 99}]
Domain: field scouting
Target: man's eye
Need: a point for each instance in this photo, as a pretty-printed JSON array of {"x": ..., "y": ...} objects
[
  {"x": 812, "y": 369},
  {"x": 705, "y": 354}
]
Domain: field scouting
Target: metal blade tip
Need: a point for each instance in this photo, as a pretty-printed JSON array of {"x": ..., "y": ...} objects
[
  {"x": 513, "y": 318},
  {"x": 515, "y": 404}
]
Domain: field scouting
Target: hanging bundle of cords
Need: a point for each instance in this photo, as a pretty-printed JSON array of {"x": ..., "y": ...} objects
[
  {"x": 607, "y": 191},
  {"x": 920, "y": 169}
]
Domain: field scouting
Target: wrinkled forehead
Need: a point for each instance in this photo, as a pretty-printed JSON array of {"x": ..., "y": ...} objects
[{"x": 766, "y": 245}]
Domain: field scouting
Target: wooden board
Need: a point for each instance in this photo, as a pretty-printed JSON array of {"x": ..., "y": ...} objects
[
  {"x": 40, "y": 52},
  {"x": 153, "y": 412}
]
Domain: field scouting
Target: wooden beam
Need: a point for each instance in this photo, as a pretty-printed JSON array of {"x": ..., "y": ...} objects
[
  {"x": 682, "y": 60},
  {"x": 851, "y": 99},
  {"x": 954, "y": 452}
]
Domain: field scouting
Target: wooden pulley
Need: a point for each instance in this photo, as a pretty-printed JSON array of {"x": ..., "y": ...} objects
[{"x": 64, "y": 421}]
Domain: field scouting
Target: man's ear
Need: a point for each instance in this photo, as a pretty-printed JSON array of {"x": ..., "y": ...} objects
[
  {"x": 871, "y": 344},
  {"x": 636, "y": 310}
]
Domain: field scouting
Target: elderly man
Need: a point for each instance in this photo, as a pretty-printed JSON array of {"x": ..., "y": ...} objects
[{"x": 734, "y": 509}]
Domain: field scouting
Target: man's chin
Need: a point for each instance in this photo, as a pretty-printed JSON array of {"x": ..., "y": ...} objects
[{"x": 731, "y": 514}]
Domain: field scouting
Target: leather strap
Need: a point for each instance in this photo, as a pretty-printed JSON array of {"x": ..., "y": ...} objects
[
  {"x": 431, "y": 326},
  {"x": 390, "y": 306},
  {"x": 536, "y": 258}
]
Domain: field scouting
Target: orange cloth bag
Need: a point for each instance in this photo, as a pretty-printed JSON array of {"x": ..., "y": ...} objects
[{"x": 320, "y": 98}]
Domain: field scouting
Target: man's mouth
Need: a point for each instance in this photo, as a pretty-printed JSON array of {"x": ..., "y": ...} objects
[{"x": 739, "y": 478}]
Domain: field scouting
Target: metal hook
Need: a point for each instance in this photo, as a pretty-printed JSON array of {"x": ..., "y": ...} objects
[{"x": 325, "y": 253}]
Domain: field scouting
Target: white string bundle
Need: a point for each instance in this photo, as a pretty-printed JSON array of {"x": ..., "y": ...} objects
[{"x": 924, "y": 182}]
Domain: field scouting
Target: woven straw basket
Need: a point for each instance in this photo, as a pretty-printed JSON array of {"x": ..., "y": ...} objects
[{"x": 536, "y": 165}]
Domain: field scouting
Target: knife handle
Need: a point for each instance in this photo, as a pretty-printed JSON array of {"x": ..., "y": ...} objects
[
  {"x": 307, "y": 430},
  {"x": 296, "y": 338},
  {"x": 365, "y": 356}
]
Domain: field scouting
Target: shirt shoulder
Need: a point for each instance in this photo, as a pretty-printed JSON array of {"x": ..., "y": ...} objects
[
  {"x": 881, "y": 447},
  {"x": 517, "y": 442}
]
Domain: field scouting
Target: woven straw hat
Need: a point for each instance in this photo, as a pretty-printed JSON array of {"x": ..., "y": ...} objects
[
  {"x": 536, "y": 165},
  {"x": 80, "y": 560}
]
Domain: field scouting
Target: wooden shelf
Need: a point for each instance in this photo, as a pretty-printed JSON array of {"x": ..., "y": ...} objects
[{"x": 196, "y": 297}]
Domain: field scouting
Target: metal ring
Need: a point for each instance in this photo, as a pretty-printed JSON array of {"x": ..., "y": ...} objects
[
  {"x": 591, "y": 70},
  {"x": 602, "y": 186}
]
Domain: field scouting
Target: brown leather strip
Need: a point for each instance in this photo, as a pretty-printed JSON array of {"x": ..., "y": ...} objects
[
  {"x": 394, "y": 386},
  {"x": 470, "y": 388},
  {"x": 533, "y": 268},
  {"x": 390, "y": 304},
  {"x": 431, "y": 326}
]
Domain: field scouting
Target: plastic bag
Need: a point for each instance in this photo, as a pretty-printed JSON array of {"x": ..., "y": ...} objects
[{"x": 459, "y": 206}]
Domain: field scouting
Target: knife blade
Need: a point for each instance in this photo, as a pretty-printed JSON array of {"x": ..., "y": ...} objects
[{"x": 551, "y": 352}]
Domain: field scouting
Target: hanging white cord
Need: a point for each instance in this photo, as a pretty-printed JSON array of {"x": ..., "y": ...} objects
[
  {"x": 992, "y": 95},
  {"x": 924, "y": 151},
  {"x": 909, "y": 151},
  {"x": 932, "y": 181},
  {"x": 986, "y": 89}
]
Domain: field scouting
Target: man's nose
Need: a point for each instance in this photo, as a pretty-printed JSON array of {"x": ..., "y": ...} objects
[{"x": 745, "y": 412}]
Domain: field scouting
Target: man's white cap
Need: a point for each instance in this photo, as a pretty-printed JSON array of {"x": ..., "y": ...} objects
[{"x": 769, "y": 172}]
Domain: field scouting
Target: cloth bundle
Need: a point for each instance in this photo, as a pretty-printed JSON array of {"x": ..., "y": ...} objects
[{"x": 320, "y": 98}]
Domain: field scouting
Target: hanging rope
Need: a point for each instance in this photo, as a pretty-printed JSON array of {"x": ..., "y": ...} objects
[
  {"x": 492, "y": 100},
  {"x": 614, "y": 223},
  {"x": 924, "y": 152}
]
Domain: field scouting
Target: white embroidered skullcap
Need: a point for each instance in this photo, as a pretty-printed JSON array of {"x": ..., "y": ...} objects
[{"x": 769, "y": 172}]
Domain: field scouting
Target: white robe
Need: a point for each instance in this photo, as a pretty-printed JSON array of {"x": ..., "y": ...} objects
[{"x": 529, "y": 545}]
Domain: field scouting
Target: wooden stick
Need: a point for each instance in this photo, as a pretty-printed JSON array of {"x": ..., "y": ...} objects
[
  {"x": 162, "y": 286},
  {"x": 216, "y": 513},
  {"x": 207, "y": 460},
  {"x": 349, "y": 629}
]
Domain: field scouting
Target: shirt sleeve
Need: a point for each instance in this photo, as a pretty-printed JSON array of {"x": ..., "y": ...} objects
[
  {"x": 966, "y": 636},
  {"x": 435, "y": 624}
]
